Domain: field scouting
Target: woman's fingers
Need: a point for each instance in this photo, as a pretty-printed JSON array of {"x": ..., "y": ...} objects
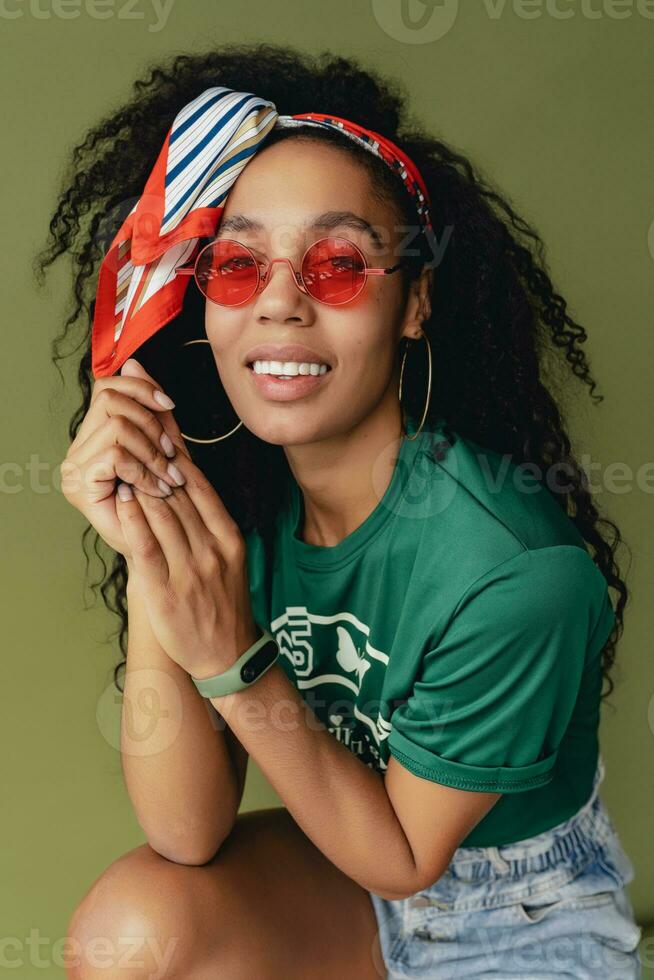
[
  {"x": 144, "y": 546},
  {"x": 140, "y": 391},
  {"x": 117, "y": 441},
  {"x": 95, "y": 479},
  {"x": 198, "y": 534},
  {"x": 201, "y": 513},
  {"x": 113, "y": 402},
  {"x": 215, "y": 516},
  {"x": 125, "y": 434},
  {"x": 167, "y": 528}
]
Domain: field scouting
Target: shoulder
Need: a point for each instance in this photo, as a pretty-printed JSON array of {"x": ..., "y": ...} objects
[
  {"x": 480, "y": 508},
  {"x": 541, "y": 617},
  {"x": 540, "y": 592},
  {"x": 493, "y": 542}
]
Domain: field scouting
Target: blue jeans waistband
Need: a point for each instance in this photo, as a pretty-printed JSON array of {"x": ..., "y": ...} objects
[{"x": 491, "y": 877}]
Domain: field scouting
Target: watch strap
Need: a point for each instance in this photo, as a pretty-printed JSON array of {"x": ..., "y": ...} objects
[{"x": 251, "y": 665}]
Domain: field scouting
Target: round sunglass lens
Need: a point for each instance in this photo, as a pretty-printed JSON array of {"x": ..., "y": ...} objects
[
  {"x": 227, "y": 273},
  {"x": 333, "y": 270}
]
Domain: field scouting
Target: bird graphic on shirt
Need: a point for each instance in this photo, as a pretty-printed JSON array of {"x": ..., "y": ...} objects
[{"x": 348, "y": 655}]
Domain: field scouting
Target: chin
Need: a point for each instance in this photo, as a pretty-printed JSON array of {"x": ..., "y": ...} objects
[{"x": 286, "y": 433}]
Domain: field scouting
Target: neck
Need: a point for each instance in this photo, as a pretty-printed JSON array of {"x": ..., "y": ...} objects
[{"x": 343, "y": 478}]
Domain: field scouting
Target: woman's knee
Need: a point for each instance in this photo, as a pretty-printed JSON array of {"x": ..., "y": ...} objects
[{"x": 135, "y": 920}]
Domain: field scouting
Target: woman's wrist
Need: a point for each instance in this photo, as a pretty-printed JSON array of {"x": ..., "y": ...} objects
[{"x": 224, "y": 659}]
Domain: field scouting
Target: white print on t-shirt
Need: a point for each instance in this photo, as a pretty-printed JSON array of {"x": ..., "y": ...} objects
[
  {"x": 349, "y": 656},
  {"x": 342, "y": 641}
]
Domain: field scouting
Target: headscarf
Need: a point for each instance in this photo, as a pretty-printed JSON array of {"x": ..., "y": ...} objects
[{"x": 209, "y": 143}]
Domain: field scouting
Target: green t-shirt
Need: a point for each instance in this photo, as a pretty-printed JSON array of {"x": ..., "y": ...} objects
[{"x": 458, "y": 628}]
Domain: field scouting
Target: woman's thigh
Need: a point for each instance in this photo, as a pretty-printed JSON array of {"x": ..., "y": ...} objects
[{"x": 269, "y": 905}]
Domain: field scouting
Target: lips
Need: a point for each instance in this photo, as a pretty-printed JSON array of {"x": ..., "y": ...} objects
[
  {"x": 279, "y": 390},
  {"x": 287, "y": 352}
]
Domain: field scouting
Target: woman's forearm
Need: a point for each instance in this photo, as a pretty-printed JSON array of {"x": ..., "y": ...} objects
[
  {"x": 340, "y": 804},
  {"x": 178, "y": 771}
]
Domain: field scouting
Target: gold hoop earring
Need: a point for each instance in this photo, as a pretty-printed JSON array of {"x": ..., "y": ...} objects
[
  {"x": 424, "y": 414},
  {"x": 202, "y": 340}
]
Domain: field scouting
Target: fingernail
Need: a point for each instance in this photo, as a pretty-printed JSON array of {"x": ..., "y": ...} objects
[
  {"x": 163, "y": 400},
  {"x": 167, "y": 444},
  {"x": 125, "y": 491},
  {"x": 177, "y": 476},
  {"x": 164, "y": 486}
]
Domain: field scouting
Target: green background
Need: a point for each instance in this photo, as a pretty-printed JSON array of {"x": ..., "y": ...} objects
[{"x": 557, "y": 111}]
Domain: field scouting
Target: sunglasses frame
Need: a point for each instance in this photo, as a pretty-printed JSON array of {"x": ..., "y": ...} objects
[{"x": 263, "y": 277}]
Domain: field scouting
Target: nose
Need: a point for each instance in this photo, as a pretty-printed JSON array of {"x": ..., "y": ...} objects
[{"x": 281, "y": 297}]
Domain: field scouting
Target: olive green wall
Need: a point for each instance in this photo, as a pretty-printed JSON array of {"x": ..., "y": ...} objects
[{"x": 553, "y": 101}]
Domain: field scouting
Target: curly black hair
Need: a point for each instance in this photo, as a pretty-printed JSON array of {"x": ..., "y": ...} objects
[{"x": 497, "y": 325}]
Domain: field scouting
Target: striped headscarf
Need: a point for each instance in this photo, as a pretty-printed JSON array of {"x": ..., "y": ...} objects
[{"x": 209, "y": 143}]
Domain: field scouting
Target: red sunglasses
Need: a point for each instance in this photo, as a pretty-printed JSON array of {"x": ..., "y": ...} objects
[{"x": 333, "y": 271}]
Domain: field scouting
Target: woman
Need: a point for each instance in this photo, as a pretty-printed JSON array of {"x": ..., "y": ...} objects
[{"x": 398, "y": 506}]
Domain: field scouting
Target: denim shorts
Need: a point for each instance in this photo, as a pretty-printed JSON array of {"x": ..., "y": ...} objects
[{"x": 549, "y": 906}]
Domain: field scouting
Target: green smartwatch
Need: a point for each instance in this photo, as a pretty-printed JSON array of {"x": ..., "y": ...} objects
[{"x": 251, "y": 665}]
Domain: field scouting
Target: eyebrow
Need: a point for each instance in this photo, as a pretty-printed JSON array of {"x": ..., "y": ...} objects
[{"x": 328, "y": 220}]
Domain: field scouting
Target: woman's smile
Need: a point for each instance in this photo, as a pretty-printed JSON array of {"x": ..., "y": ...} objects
[{"x": 286, "y": 388}]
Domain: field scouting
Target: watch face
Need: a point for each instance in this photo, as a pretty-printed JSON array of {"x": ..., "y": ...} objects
[{"x": 257, "y": 663}]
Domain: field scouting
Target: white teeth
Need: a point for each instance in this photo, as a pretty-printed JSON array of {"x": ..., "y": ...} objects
[{"x": 288, "y": 369}]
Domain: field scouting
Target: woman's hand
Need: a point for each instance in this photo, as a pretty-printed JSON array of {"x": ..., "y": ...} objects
[
  {"x": 125, "y": 434},
  {"x": 189, "y": 563}
]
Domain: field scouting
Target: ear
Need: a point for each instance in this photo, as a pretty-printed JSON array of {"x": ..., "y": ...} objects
[
  {"x": 424, "y": 286},
  {"x": 418, "y": 308}
]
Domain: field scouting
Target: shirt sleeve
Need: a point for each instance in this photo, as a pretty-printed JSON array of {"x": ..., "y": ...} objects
[{"x": 494, "y": 697}]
